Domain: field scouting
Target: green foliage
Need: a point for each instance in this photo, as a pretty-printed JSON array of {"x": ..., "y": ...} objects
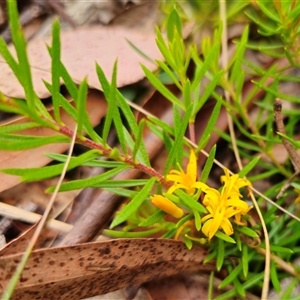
[{"x": 196, "y": 72}]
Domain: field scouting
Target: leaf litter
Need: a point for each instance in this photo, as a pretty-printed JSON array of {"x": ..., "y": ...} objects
[{"x": 100, "y": 267}]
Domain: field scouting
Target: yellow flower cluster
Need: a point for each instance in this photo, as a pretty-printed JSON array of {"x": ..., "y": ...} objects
[{"x": 221, "y": 206}]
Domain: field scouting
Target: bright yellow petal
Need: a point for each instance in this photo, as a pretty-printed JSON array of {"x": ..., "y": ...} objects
[
  {"x": 175, "y": 187},
  {"x": 192, "y": 166},
  {"x": 175, "y": 178},
  {"x": 179, "y": 230},
  {"x": 167, "y": 206},
  {"x": 241, "y": 182},
  {"x": 227, "y": 227},
  {"x": 218, "y": 218},
  {"x": 207, "y": 217},
  {"x": 200, "y": 185},
  {"x": 207, "y": 227}
]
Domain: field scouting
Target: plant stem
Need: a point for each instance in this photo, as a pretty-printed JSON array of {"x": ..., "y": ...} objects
[{"x": 107, "y": 152}]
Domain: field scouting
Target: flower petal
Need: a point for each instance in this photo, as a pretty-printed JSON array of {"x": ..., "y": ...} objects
[
  {"x": 167, "y": 206},
  {"x": 192, "y": 166}
]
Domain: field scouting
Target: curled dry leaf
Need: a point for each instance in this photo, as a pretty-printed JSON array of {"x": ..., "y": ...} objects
[
  {"x": 80, "y": 50},
  {"x": 97, "y": 268},
  {"x": 96, "y": 107}
]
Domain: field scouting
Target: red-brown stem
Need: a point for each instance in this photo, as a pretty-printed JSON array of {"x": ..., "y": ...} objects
[
  {"x": 107, "y": 152},
  {"x": 192, "y": 132}
]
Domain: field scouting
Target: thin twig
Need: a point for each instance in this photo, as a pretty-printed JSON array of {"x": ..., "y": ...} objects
[
  {"x": 295, "y": 158},
  {"x": 287, "y": 184}
]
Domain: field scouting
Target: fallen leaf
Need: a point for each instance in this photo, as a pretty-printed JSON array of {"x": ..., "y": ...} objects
[
  {"x": 168, "y": 289},
  {"x": 96, "y": 107},
  {"x": 97, "y": 268},
  {"x": 20, "y": 244},
  {"x": 80, "y": 50}
]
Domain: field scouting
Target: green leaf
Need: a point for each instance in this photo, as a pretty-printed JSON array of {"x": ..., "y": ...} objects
[
  {"x": 237, "y": 59},
  {"x": 184, "y": 219},
  {"x": 111, "y": 99},
  {"x": 268, "y": 27},
  {"x": 35, "y": 174},
  {"x": 173, "y": 23},
  {"x": 220, "y": 254},
  {"x": 210, "y": 256},
  {"x": 128, "y": 114},
  {"x": 88, "y": 182},
  {"x": 15, "y": 142},
  {"x": 17, "y": 127},
  {"x": 13, "y": 64},
  {"x": 134, "y": 204},
  {"x": 225, "y": 237},
  {"x": 281, "y": 250},
  {"x": 165, "y": 51},
  {"x": 81, "y": 105},
  {"x": 274, "y": 277},
  {"x": 122, "y": 192},
  {"x": 153, "y": 219},
  {"x": 232, "y": 275},
  {"x": 269, "y": 11},
  {"x": 292, "y": 141},
  {"x": 170, "y": 73},
  {"x": 131, "y": 144},
  {"x": 238, "y": 241},
  {"x": 202, "y": 67},
  {"x": 19, "y": 42},
  {"x": 120, "y": 131},
  {"x": 120, "y": 183},
  {"x": 187, "y": 94},
  {"x": 138, "y": 234},
  {"x": 161, "y": 88},
  {"x": 247, "y": 231},
  {"x": 55, "y": 69},
  {"x": 249, "y": 167},
  {"x": 141, "y": 53},
  {"x": 70, "y": 85},
  {"x": 238, "y": 287},
  {"x": 169, "y": 234},
  {"x": 190, "y": 201},
  {"x": 245, "y": 260},
  {"x": 210, "y": 125},
  {"x": 208, "y": 92},
  {"x": 178, "y": 139},
  {"x": 138, "y": 142},
  {"x": 188, "y": 243},
  {"x": 208, "y": 164},
  {"x": 197, "y": 219}
]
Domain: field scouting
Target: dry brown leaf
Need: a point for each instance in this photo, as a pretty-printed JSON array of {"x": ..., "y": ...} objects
[
  {"x": 80, "y": 50},
  {"x": 96, "y": 107},
  {"x": 20, "y": 244},
  {"x": 97, "y": 268},
  {"x": 168, "y": 289}
]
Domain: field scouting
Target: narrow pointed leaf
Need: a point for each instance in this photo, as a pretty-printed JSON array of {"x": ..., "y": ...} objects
[
  {"x": 88, "y": 182},
  {"x": 134, "y": 204}
]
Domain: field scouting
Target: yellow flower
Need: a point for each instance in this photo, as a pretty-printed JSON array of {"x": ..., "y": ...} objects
[
  {"x": 167, "y": 206},
  {"x": 224, "y": 205},
  {"x": 216, "y": 219},
  {"x": 232, "y": 183},
  {"x": 185, "y": 180}
]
